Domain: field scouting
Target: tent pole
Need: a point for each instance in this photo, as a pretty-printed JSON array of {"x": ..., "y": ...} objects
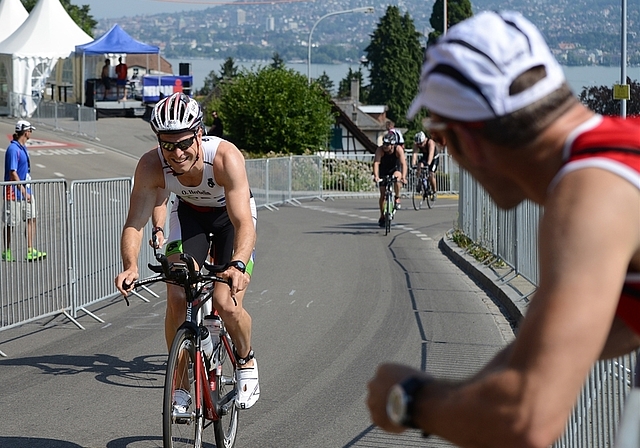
[{"x": 83, "y": 100}]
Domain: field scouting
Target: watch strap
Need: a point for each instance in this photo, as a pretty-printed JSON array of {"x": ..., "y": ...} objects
[{"x": 411, "y": 387}]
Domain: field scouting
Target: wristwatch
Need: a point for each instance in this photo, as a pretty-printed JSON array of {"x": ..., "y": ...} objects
[
  {"x": 239, "y": 265},
  {"x": 401, "y": 401}
]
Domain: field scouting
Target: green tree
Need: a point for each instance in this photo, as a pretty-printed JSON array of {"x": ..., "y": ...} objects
[
  {"x": 79, "y": 14},
  {"x": 228, "y": 71},
  {"x": 324, "y": 82},
  {"x": 278, "y": 62},
  {"x": 394, "y": 58},
  {"x": 274, "y": 110},
  {"x": 344, "y": 88},
  {"x": 600, "y": 99},
  {"x": 457, "y": 11}
]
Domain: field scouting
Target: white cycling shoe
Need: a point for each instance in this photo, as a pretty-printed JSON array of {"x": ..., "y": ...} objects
[
  {"x": 181, "y": 401},
  {"x": 248, "y": 387}
]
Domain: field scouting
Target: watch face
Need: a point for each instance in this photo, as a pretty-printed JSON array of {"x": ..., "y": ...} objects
[
  {"x": 239, "y": 265},
  {"x": 397, "y": 404}
]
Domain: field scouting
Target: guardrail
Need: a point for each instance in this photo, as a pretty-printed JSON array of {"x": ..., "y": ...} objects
[
  {"x": 512, "y": 236},
  {"x": 74, "y": 118}
]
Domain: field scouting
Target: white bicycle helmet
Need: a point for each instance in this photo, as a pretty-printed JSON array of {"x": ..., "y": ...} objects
[
  {"x": 391, "y": 138},
  {"x": 176, "y": 113},
  {"x": 420, "y": 137}
]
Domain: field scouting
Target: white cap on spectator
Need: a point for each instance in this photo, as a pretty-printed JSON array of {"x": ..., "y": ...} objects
[
  {"x": 24, "y": 125},
  {"x": 468, "y": 71}
]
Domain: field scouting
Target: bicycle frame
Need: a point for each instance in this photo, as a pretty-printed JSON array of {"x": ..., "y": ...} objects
[{"x": 208, "y": 374}]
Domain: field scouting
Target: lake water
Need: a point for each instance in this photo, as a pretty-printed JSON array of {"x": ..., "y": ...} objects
[{"x": 578, "y": 77}]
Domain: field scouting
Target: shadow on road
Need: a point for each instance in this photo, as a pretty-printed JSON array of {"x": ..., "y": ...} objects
[{"x": 142, "y": 372}]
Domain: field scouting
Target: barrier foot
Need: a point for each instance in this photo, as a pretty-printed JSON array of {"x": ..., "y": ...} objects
[
  {"x": 146, "y": 288},
  {"x": 73, "y": 320},
  {"x": 293, "y": 202},
  {"x": 141, "y": 297},
  {"x": 272, "y": 208},
  {"x": 3, "y": 354},
  {"x": 92, "y": 315}
]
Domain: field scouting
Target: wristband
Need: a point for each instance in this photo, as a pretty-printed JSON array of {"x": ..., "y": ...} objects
[{"x": 157, "y": 229}]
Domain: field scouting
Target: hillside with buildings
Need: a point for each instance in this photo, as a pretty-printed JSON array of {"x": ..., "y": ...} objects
[{"x": 580, "y": 32}]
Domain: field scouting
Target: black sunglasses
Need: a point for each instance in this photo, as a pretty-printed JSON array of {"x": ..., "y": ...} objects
[{"x": 182, "y": 145}]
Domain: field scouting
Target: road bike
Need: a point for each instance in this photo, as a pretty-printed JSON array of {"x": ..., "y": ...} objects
[
  {"x": 389, "y": 205},
  {"x": 423, "y": 190},
  {"x": 210, "y": 381}
]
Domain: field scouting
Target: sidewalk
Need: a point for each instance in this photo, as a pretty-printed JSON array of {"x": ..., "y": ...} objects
[{"x": 511, "y": 291}]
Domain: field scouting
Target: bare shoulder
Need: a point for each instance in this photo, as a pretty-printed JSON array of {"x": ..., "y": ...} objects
[
  {"x": 229, "y": 164},
  {"x": 149, "y": 169}
]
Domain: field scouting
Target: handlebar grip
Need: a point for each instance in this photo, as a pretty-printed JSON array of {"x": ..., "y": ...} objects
[
  {"x": 155, "y": 268},
  {"x": 126, "y": 285}
]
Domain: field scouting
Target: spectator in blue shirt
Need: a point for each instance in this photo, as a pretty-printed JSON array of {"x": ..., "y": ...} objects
[{"x": 19, "y": 203}]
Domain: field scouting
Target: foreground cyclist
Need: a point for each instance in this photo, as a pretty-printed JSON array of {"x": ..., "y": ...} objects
[
  {"x": 389, "y": 160},
  {"x": 510, "y": 119},
  {"x": 209, "y": 179}
]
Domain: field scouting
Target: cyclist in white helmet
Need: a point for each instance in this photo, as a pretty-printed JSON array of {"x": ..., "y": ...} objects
[
  {"x": 389, "y": 159},
  {"x": 426, "y": 154},
  {"x": 207, "y": 174}
]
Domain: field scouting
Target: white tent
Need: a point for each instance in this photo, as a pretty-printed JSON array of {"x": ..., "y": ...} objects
[
  {"x": 12, "y": 15},
  {"x": 30, "y": 53}
]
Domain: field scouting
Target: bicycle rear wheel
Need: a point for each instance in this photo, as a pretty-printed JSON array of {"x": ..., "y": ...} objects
[
  {"x": 226, "y": 428},
  {"x": 181, "y": 428},
  {"x": 428, "y": 196}
]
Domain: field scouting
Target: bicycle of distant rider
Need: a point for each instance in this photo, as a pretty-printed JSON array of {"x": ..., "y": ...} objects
[
  {"x": 389, "y": 205},
  {"x": 210, "y": 382},
  {"x": 422, "y": 188}
]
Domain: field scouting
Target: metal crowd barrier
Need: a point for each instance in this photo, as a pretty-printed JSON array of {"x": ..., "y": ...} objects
[
  {"x": 75, "y": 118},
  {"x": 280, "y": 180},
  {"x": 513, "y": 236},
  {"x": 78, "y": 227}
]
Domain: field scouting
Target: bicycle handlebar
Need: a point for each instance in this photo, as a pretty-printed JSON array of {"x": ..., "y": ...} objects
[{"x": 183, "y": 273}]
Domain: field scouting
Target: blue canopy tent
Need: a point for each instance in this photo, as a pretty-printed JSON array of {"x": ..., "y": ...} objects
[{"x": 116, "y": 40}]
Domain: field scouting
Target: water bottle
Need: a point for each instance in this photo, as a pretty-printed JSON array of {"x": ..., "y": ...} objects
[
  {"x": 206, "y": 342},
  {"x": 213, "y": 324}
]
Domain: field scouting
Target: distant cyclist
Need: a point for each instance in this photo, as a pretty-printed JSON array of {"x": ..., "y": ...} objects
[
  {"x": 389, "y": 160},
  {"x": 426, "y": 153},
  {"x": 208, "y": 176}
]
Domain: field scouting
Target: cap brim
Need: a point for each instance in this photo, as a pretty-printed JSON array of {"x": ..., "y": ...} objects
[{"x": 415, "y": 107}]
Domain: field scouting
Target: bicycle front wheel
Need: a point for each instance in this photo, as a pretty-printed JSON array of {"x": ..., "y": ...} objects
[
  {"x": 182, "y": 420},
  {"x": 226, "y": 427},
  {"x": 417, "y": 198}
]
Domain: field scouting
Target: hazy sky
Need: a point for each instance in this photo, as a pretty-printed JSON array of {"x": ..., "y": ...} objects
[{"x": 105, "y": 9}]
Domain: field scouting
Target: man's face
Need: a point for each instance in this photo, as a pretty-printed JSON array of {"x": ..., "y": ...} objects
[
  {"x": 387, "y": 148},
  {"x": 180, "y": 150}
]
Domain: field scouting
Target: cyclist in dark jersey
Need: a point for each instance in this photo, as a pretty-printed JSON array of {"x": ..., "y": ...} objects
[
  {"x": 389, "y": 160},
  {"x": 510, "y": 119}
]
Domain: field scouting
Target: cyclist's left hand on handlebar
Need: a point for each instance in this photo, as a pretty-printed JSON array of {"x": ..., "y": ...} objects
[
  {"x": 404, "y": 181},
  {"x": 239, "y": 281}
]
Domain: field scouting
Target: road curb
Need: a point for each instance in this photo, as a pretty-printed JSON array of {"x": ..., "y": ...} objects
[{"x": 514, "y": 302}]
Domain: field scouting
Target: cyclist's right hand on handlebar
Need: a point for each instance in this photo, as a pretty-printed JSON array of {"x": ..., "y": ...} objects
[{"x": 125, "y": 281}]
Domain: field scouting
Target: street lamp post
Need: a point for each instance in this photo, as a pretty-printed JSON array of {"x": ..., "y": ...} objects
[{"x": 365, "y": 9}]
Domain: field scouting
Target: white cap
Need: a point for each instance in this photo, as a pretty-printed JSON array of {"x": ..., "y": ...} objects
[
  {"x": 24, "y": 125},
  {"x": 467, "y": 72}
]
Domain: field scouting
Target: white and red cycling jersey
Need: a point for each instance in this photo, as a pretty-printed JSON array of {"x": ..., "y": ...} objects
[{"x": 612, "y": 144}]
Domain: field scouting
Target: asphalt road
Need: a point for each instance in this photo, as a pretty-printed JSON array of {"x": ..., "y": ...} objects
[{"x": 331, "y": 297}]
